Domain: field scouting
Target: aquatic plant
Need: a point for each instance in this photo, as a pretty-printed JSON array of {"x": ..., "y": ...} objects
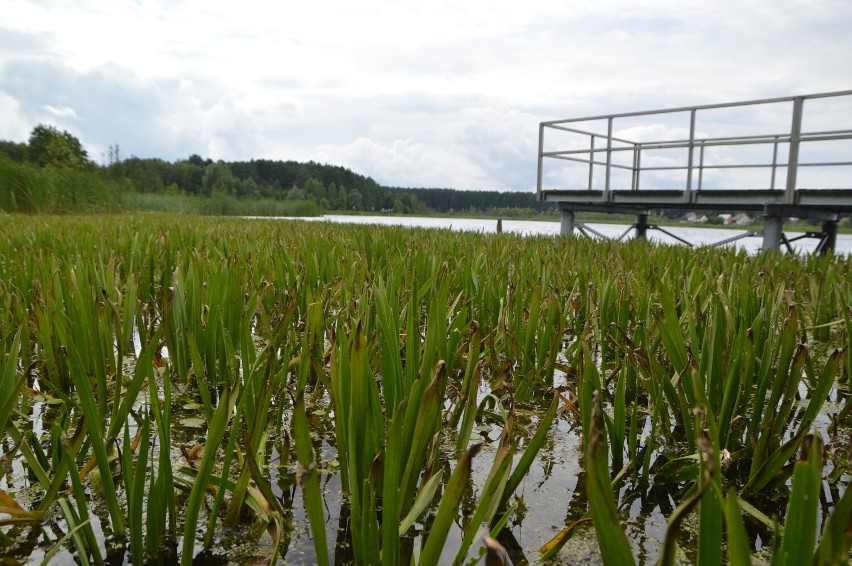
[{"x": 172, "y": 385}]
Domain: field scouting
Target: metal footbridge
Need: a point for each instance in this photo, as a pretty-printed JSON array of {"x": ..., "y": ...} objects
[{"x": 782, "y": 157}]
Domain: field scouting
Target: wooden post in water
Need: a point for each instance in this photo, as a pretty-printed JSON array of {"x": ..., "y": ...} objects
[{"x": 499, "y": 225}]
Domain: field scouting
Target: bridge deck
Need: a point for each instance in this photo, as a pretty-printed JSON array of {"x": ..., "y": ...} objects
[
  {"x": 826, "y": 200},
  {"x": 695, "y": 158}
]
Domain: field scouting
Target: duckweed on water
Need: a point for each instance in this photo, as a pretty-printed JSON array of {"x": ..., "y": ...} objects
[{"x": 222, "y": 389}]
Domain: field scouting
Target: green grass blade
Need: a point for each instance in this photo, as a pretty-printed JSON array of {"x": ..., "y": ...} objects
[
  {"x": 821, "y": 391},
  {"x": 215, "y": 433},
  {"x": 447, "y": 508},
  {"x": 468, "y": 406},
  {"x": 836, "y": 539},
  {"x": 490, "y": 497},
  {"x": 392, "y": 377},
  {"x": 80, "y": 498},
  {"x": 612, "y": 541},
  {"x": 739, "y": 551},
  {"x": 73, "y": 522},
  {"x": 800, "y": 529},
  {"x": 90, "y": 410},
  {"x": 309, "y": 480},
  {"x": 421, "y": 503},
  {"x": 531, "y": 450},
  {"x": 393, "y": 462}
]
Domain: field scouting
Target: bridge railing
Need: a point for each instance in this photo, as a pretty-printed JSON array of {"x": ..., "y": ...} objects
[{"x": 618, "y": 146}]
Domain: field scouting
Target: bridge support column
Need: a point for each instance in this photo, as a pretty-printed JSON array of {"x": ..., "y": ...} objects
[
  {"x": 772, "y": 233},
  {"x": 566, "y": 227},
  {"x": 829, "y": 237},
  {"x": 642, "y": 226}
]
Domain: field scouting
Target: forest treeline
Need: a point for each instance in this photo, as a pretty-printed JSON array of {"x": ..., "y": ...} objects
[{"x": 53, "y": 173}]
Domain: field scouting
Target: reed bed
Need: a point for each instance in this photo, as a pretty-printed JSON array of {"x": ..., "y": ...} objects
[{"x": 175, "y": 387}]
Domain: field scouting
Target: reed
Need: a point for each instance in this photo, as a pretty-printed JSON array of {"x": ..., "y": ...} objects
[{"x": 409, "y": 365}]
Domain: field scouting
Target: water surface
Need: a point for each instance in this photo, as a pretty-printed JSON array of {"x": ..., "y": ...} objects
[{"x": 698, "y": 236}]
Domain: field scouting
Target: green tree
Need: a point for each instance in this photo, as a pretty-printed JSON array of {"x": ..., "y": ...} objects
[
  {"x": 248, "y": 188},
  {"x": 16, "y": 151},
  {"x": 218, "y": 178},
  {"x": 315, "y": 189},
  {"x": 296, "y": 194},
  {"x": 48, "y": 147},
  {"x": 354, "y": 200},
  {"x": 406, "y": 204},
  {"x": 336, "y": 197},
  {"x": 113, "y": 155}
]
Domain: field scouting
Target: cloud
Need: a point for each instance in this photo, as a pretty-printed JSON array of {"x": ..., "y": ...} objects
[
  {"x": 413, "y": 94},
  {"x": 101, "y": 106},
  {"x": 61, "y": 112},
  {"x": 470, "y": 147},
  {"x": 406, "y": 163},
  {"x": 16, "y": 42},
  {"x": 13, "y": 126}
]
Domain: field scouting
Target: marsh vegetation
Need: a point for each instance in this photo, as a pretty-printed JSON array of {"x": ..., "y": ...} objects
[{"x": 178, "y": 387}]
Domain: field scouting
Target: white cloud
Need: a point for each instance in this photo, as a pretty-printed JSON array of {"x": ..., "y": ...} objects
[
  {"x": 61, "y": 112},
  {"x": 13, "y": 126},
  {"x": 412, "y": 93},
  {"x": 406, "y": 163}
]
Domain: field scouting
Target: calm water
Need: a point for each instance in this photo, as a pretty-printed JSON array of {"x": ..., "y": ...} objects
[{"x": 697, "y": 236}]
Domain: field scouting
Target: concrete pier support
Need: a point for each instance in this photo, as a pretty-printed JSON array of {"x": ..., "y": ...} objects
[
  {"x": 566, "y": 227},
  {"x": 829, "y": 235},
  {"x": 642, "y": 226},
  {"x": 772, "y": 233}
]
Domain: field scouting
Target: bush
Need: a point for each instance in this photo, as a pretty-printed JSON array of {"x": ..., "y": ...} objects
[{"x": 29, "y": 189}]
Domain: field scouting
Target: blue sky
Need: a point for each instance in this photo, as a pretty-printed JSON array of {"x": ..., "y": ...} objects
[{"x": 438, "y": 93}]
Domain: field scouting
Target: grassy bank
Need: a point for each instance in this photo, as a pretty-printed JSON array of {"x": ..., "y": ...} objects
[
  {"x": 178, "y": 387},
  {"x": 25, "y": 188}
]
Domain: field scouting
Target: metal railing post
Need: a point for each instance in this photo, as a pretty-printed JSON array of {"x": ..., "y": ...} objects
[
  {"x": 634, "y": 184},
  {"x": 687, "y": 197},
  {"x": 774, "y": 164},
  {"x": 793, "y": 160},
  {"x": 538, "y": 193},
  {"x": 591, "y": 161},
  {"x": 607, "y": 195},
  {"x": 638, "y": 165}
]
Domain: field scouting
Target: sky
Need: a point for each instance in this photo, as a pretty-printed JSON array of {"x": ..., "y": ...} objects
[{"x": 413, "y": 94}]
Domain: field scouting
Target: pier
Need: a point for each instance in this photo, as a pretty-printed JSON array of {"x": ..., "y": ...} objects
[{"x": 780, "y": 157}]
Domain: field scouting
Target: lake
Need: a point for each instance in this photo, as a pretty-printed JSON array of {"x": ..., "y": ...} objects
[{"x": 698, "y": 236}]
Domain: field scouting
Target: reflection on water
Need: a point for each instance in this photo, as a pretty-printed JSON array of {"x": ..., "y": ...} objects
[{"x": 697, "y": 236}]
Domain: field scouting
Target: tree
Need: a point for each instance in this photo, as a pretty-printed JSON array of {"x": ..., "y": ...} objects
[
  {"x": 247, "y": 188},
  {"x": 354, "y": 200},
  {"x": 48, "y": 147},
  {"x": 113, "y": 155},
  {"x": 15, "y": 151},
  {"x": 218, "y": 178},
  {"x": 314, "y": 189},
  {"x": 338, "y": 200},
  {"x": 196, "y": 160}
]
